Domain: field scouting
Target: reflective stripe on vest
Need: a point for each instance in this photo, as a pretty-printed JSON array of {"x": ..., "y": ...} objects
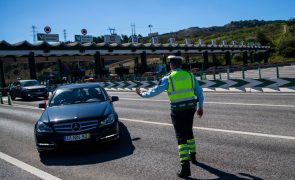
[
  {"x": 182, "y": 99},
  {"x": 180, "y": 86},
  {"x": 181, "y": 91}
]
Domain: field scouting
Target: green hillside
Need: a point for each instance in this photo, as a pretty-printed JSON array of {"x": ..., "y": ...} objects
[{"x": 280, "y": 35}]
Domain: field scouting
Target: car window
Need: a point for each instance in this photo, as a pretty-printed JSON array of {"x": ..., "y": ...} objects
[
  {"x": 30, "y": 83},
  {"x": 77, "y": 96}
]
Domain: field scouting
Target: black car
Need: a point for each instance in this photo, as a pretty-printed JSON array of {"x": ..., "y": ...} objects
[
  {"x": 28, "y": 89},
  {"x": 76, "y": 114}
]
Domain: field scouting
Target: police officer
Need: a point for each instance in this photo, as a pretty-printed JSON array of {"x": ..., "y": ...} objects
[{"x": 184, "y": 93}]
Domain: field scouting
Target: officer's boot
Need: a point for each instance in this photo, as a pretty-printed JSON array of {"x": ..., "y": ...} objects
[
  {"x": 193, "y": 158},
  {"x": 185, "y": 170}
]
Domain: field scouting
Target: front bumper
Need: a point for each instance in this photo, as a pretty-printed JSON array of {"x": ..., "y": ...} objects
[
  {"x": 51, "y": 141},
  {"x": 36, "y": 94}
]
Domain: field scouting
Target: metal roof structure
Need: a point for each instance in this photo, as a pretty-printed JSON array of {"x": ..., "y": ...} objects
[
  {"x": 44, "y": 49},
  {"x": 25, "y": 52}
]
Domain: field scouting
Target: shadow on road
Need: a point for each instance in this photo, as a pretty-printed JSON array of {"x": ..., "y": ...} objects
[
  {"x": 92, "y": 154},
  {"x": 224, "y": 175}
]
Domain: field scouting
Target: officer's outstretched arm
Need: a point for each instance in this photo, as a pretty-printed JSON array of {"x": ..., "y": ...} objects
[{"x": 156, "y": 90}]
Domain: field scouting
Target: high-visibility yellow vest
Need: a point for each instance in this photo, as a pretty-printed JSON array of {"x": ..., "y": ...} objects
[{"x": 180, "y": 91}]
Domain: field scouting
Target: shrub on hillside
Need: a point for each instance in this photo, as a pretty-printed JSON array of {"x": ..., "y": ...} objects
[{"x": 287, "y": 46}]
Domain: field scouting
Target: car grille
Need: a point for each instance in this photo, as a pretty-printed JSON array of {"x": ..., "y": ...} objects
[
  {"x": 37, "y": 90},
  {"x": 74, "y": 127}
]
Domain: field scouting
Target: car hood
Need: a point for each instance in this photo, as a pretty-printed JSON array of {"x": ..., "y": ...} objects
[
  {"x": 35, "y": 87},
  {"x": 78, "y": 111}
]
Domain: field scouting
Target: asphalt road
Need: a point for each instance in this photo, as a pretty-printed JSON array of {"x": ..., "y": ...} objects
[{"x": 241, "y": 136}]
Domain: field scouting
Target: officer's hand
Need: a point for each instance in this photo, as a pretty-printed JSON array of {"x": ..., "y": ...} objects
[
  {"x": 138, "y": 91},
  {"x": 200, "y": 112}
]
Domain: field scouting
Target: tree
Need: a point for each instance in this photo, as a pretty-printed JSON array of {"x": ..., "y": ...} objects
[
  {"x": 287, "y": 46},
  {"x": 98, "y": 39},
  {"x": 263, "y": 39},
  {"x": 124, "y": 38}
]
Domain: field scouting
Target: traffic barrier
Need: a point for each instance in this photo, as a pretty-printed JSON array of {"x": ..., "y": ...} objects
[
  {"x": 9, "y": 98},
  {"x": 244, "y": 85}
]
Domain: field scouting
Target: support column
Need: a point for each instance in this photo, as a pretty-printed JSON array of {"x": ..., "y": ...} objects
[
  {"x": 186, "y": 63},
  {"x": 215, "y": 60},
  {"x": 187, "y": 59},
  {"x": 228, "y": 58},
  {"x": 102, "y": 63},
  {"x": 266, "y": 56},
  {"x": 32, "y": 66},
  {"x": 206, "y": 60},
  {"x": 164, "y": 59},
  {"x": 97, "y": 64},
  {"x": 2, "y": 80},
  {"x": 252, "y": 57},
  {"x": 143, "y": 61},
  {"x": 245, "y": 57},
  {"x": 60, "y": 69},
  {"x": 136, "y": 62},
  {"x": 178, "y": 53}
]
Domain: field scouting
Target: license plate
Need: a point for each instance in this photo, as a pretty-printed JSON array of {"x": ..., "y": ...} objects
[{"x": 77, "y": 137}]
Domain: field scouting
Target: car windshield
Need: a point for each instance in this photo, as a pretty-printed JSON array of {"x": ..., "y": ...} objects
[
  {"x": 77, "y": 96},
  {"x": 29, "y": 83}
]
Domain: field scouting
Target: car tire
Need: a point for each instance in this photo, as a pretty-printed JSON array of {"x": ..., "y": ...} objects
[{"x": 25, "y": 97}]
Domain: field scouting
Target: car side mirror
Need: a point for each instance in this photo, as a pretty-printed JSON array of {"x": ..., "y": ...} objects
[
  {"x": 114, "y": 98},
  {"x": 42, "y": 105}
]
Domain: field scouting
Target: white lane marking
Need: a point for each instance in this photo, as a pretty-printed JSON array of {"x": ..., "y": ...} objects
[
  {"x": 200, "y": 128},
  {"x": 220, "y": 93},
  {"x": 249, "y": 104},
  {"x": 37, "y": 172},
  {"x": 212, "y": 102},
  {"x": 206, "y": 102},
  {"x": 216, "y": 130}
]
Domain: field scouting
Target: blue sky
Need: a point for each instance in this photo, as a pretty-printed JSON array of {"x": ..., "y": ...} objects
[{"x": 17, "y": 16}]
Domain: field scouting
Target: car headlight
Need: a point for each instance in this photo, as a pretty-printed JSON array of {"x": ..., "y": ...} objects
[
  {"x": 42, "y": 127},
  {"x": 109, "y": 120}
]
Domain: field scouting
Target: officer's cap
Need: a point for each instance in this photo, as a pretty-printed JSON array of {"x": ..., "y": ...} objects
[{"x": 175, "y": 59}]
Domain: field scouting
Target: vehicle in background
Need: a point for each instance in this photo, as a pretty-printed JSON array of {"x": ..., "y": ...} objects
[
  {"x": 89, "y": 78},
  {"x": 28, "y": 89},
  {"x": 77, "y": 114}
]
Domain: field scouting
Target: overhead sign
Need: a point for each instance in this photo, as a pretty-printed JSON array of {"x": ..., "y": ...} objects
[
  {"x": 201, "y": 42},
  {"x": 47, "y": 37},
  {"x": 213, "y": 42},
  {"x": 85, "y": 38},
  {"x": 188, "y": 41},
  {"x": 134, "y": 39},
  {"x": 112, "y": 39},
  {"x": 153, "y": 34},
  {"x": 171, "y": 41},
  {"x": 155, "y": 40},
  {"x": 84, "y": 31},
  {"x": 223, "y": 43},
  {"x": 47, "y": 29}
]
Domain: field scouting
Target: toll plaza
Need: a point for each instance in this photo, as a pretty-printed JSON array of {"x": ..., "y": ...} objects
[{"x": 99, "y": 53}]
